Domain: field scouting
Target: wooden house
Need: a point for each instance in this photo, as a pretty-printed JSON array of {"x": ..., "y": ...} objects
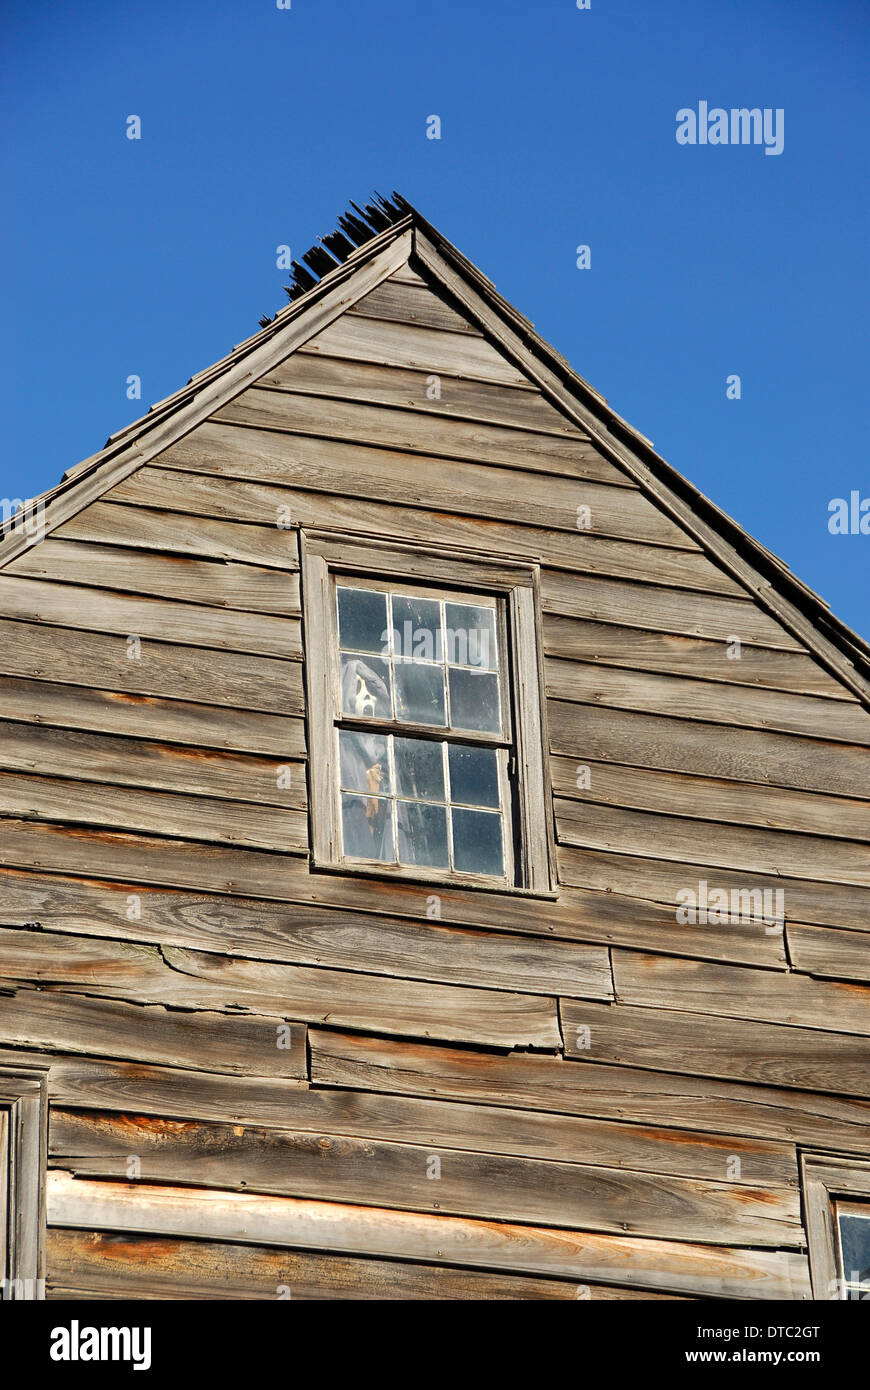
[{"x": 434, "y": 849}]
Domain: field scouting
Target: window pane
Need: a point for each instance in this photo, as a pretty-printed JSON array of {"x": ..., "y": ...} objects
[
  {"x": 365, "y": 765},
  {"x": 367, "y": 826},
  {"x": 417, "y": 628},
  {"x": 477, "y": 846},
  {"x": 855, "y": 1241},
  {"x": 365, "y": 687},
  {"x": 474, "y": 701},
  {"x": 419, "y": 769},
  {"x": 362, "y": 620},
  {"x": 419, "y": 693},
  {"x": 473, "y": 775},
  {"x": 470, "y": 638},
  {"x": 422, "y": 834}
]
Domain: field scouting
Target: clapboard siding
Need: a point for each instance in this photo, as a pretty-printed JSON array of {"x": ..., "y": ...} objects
[
  {"x": 623, "y": 1093},
  {"x": 443, "y": 1240},
  {"x": 640, "y": 650},
  {"x": 94, "y": 610},
  {"x": 286, "y": 1051},
  {"x": 711, "y": 799},
  {"x": 351, "y": 918},
  {"x": 677, "y": 837},
  {"x": 221, "y": 584},
  {"x": 608, "y": 687},
  {"x": 101, "y": 1265},
  {"x": 453, "y": 396},
  {"x": 371, "y": 1172},
  {"x": 210, "y": 1041},
  {"x": 668, "y": 1040}
]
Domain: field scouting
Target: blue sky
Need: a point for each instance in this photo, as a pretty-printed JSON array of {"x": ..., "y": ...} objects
[{"x": 558, "y": 128}]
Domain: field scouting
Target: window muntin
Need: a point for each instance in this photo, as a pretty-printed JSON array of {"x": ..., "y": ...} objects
[
  {"x": 430, "y": 790},
  {"x": 853, "y": 1243}
]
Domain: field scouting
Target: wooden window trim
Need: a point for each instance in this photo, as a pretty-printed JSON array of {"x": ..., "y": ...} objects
[
  {"x": 23, "y": 1149},
  {"x": 825, "y": 1180},
  {"x": 327, "y": 553}
]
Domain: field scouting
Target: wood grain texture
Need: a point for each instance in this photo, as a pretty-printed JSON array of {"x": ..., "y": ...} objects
[
  {"x": 825, "y": 951},
  {"x": 242, "y": 823},
  {"x": 832, "y": 720},
  {"x": 150, "y": 528},
  {"x": 621, "y": 1093},
  {"x": 417, "y": 432},
  {"x": 713, "y": 799},
  {"x": 266, "y": 463},
  {"x": 339, "y": 928},
  {"x": 133, "y": 762},
  {"x": 408, "y": 345},
  {"x": 203, "y": 980},
  {"x": 215, "y": 583},
  {"x": 703, "y": 988},
  {"x": 332, "y": 1226},
  {"x": 145, "y": 716},
  {"x": 196, "y": 625},
  {"x": 213, "y": 1042},
  {"x": 708, "y": 750},
  {"x": 317, "y": 375},
  {"x": 101, "y": 1265},
  {"x": 739, "y": 1050},
  {"x": 749, "y": 850},
  {"x": 374, "y": 1173},
  {"x": 423, "y": 305},
  {"x": 609, "y": 644},
  {"x": 598, "y": 916}
]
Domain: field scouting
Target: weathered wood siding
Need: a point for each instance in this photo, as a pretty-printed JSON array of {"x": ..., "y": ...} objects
[{"x": 161, "y": 926}]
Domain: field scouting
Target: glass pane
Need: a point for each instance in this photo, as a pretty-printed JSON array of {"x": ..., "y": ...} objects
[
  {"x": 417, "y": 628},
  {"x": 419, "y": 769},
  {"x": 419, "y": 693},
  {"x": 855, "y": 1242},
  {"x": 470, "y": 638},
  {"x": 365, "y": 687},
  {"x": 362, "y": 620},
  {"x": 367, "y": 826},
  {"x": 473, "y": 775},
  {"x": 477, "y": 847},
  {"x": 365, "y": 765},
  {"x": 474, "y": 701},
  {"x": 422, "y": 834}
]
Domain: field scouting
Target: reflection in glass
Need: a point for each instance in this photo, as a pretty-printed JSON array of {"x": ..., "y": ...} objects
[
  {"x": 473, "y": 775},
  {"x": 470, "y": 639},
  {"x": 477, "y": 842},
  {"x": 365, "y": 765},
  {"x": 417, "y": 628},
  {"x": 362, "y": 620},
  {"x": 422, "y": 834},
  {"x": 474, "y": 701},
  {"x": 855, "y": 1244},
  {"x": 419, "y": 693},
  {"x": 367, "y": 827},
  {"x": 419, "y": 769},
  {"x": 365, "y": 687}
]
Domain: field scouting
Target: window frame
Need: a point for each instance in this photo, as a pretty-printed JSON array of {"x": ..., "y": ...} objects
[
  {"x": 827, "y": 1180},
  {"x": 23, "y": 1157},
  {"x": 331, "y": 557}
]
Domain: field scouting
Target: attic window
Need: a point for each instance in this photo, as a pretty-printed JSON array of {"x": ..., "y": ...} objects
[{"x": 424, "y": 716}]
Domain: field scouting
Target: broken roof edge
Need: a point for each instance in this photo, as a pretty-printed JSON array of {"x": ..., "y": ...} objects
[{"x": 626, "y": 446}]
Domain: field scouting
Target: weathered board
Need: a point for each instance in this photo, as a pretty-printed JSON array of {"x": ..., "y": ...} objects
[{"x": 616, "y": 1097}]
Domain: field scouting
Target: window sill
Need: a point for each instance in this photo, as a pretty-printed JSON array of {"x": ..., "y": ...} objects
[{"x": 385, "y": 873}]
